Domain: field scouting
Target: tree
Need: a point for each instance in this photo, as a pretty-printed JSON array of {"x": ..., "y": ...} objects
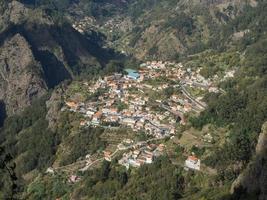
[
  {"x": 104, "y": 172},
  {"x": 7, "y": 168}
]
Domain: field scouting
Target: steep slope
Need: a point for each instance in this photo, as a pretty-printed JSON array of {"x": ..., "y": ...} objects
[
  {"x": 20, "y": 75},
  {"x": 39, "y": 51},
  {"x": 181, "y": 28},
  {"x": 243, "y": 187},
  {"x": 160, "y": 28},
  {"x": 42, "y": 136}
]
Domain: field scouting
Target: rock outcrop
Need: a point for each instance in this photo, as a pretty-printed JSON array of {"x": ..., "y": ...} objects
[
  {"x": 54, "y": 104},
  {"x": 21, "y": 77},
  {"x": 37, "y": 53}
]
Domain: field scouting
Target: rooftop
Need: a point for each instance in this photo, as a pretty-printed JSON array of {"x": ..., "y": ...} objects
[{"x": 132, "y": 73}]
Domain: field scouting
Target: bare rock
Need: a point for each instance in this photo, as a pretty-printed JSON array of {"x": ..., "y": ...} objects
[
  {"x": 20, "y": 75},
  {"x": 54, "y": 104},
  {"x": 17, "y": 11}
]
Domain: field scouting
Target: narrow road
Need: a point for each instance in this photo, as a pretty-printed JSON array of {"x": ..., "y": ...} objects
[{"x": 187, "y": 94}]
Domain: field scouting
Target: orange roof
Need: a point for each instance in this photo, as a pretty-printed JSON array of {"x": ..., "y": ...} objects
[
  {"x": 194, "y": 158},
  {"x": 83, "y": 122},
  {"x": 187, "y": 106},
  {"x": 98, "y": 114},
  {"x": 128, "y": 113},
  {"x": 114, "y": 109},
  {"x": 114, "y": 117},
  {"x": 71, "y": 104}
]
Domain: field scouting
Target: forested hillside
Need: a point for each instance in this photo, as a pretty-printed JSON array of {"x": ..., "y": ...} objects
[
  {"x": 212, "y": 36},
  {"x": 166, "y": 29}
]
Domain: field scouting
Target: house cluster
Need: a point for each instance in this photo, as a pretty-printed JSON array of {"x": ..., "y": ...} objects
[
  {"x": 121, "y": 99},
  {"x": 125, "y": 144},
  {"x": 194, "y": 79},
  {"x": 82, "y": 25},
  {"x": 207, "y": 138},
  {"x": 145, "y": 154},
  {"x": 176, "y": 71},
  {"x": 135, "y": 116},
  {"x": 179, "y": 103},
  {"x": 117, "y": 24},
  {"x": 135, "y": 113},
  {"x": 186, "y": 77}
]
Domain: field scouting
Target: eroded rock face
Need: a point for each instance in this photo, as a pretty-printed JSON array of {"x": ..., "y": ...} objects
[
  {"x": 254, "y": 179},
  {"x": 17, "y": 12},
  {"x": 54, "y": 105},
  {"x": 20, "y": 75},
  {"x": 12, "y": 12}
]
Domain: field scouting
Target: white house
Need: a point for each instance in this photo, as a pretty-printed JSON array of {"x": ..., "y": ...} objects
[
  {"x": 90, "y": 113},
  {"x": 192, "y": 162},
  {"x": 50, "y": 170},
  {"x": 149, "y": 159}
]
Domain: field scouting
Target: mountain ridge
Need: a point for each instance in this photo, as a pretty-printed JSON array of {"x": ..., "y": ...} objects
[
  {"x": 55, "y": 79},
  {"x": 60, "y": 51},
  {"x": 185, "y": 26}
]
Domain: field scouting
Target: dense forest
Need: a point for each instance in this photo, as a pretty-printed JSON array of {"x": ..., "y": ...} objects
[{"x": 244, "y": 103}]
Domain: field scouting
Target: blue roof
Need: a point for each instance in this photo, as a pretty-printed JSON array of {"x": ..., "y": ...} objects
[{"x": 132, "y": 73}]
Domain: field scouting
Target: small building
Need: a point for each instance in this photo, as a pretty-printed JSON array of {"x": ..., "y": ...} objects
[
  {"x": 149, "y": 159},
  {"x": 82, "y": 123},
  {"x": 193, "y": 163},
  {"x": 109, "y": 78},
  {"x": 50, "y": 170},
  {"x": 213, "y": 89},
  {"x": 134, "y": 163},
  {"x": 161, "y": 147},
  {"x": 175, "y": 98},
  {"x": 72, "y": 104},
  {"x": 132, "y": 74},
  {"x": 124, "y": 162},
  {"x": 74, "y": 179},
  {"x": 208, "y": 138},
  {"x": 129, "y": 122},
  {"x": 136, "y": 153},
  {"x": 113, "y": 111},
  {"x": 121, "y": 147},
  {"x": 128, "y": 141},
  {"x": 107, "y": 155},
  {"x": 187, "y": 107},
  {"x": 96, "y": 118},
  {"x": 114, "y": 118},
  {"x": 143, "y": 65}
]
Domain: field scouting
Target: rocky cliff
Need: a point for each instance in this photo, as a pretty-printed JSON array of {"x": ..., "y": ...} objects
[
  {"x": 38, "y": 52},
  {"x": 21, "y": 76},
  {"x": 54, "y": 104}
]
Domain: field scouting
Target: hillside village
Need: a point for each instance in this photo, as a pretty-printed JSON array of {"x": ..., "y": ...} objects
[
  {"x": 125, "y": 100},
  {"x": 137, "y": 99},
  {"x": 121, "y": 99}
]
